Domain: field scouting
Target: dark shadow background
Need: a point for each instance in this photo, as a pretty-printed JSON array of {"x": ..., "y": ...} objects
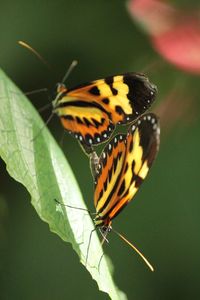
[{"x": 163, "y": 220}]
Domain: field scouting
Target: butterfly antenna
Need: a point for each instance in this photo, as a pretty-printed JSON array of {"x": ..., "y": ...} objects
[
  {"x": 27, "y": 46},
  {"x": 71, "y": 67},
  {"x": 136, "y": 250}
]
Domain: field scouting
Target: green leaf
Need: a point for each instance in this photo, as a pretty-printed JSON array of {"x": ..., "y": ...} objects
[{"x": 41, "y": 167}]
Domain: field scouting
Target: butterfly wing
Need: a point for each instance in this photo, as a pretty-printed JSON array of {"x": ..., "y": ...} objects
[
  {"x": 111, "y": 166},
  {"x": 91, "y": 111},
  {"x": 83, "y": 118},
  {"x": 139, "y": 149},
  {"x": 123, "y": 97}
]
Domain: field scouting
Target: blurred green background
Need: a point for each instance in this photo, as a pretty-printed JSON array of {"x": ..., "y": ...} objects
[{"x": 163, "y": 220}]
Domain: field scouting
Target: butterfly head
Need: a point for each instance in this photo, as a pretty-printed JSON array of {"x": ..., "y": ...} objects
[
  {"x": 60, "y": 91},
  {"x": 104, "y": 230}
]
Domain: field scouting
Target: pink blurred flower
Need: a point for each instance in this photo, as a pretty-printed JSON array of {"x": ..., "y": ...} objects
[{"x": 174, "y": 34}]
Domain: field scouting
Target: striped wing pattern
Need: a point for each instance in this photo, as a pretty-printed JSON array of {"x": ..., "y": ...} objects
[
  {"x": 91, "y": 111},
  {"x": 124, "y": 164}
]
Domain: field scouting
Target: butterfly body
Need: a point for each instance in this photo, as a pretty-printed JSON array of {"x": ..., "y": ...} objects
[
  {"x": 91, "y": 111},
  {"x": 123, "y": 165}
]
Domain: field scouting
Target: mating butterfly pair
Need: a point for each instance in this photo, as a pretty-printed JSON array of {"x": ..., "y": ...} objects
[{"x": 90, "y": 113}]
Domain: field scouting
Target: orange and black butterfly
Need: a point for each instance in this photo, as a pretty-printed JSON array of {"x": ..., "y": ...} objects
[
  {"x": 90, "y": 111},
  {"x": 123, "y": 165}
]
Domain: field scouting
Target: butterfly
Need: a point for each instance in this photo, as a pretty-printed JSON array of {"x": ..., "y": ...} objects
[
  {"x": 90, "y": 111},
  {"x": 123, "y": 166}
]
